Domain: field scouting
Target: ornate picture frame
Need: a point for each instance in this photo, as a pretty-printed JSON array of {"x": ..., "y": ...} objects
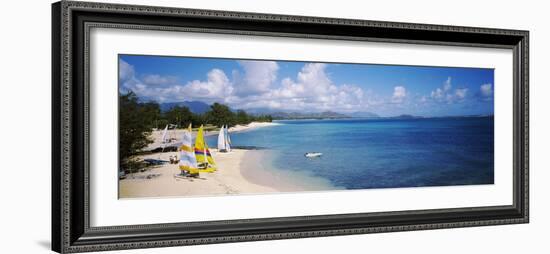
[{"x": 71, "y": 24}]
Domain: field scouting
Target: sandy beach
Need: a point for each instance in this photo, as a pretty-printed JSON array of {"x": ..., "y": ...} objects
[
  {"x": 227, "y": 180},
  {"x": 239, "y": 172}
]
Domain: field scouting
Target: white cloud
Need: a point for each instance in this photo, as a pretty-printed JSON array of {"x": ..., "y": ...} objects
[
  {"x": 399, "y": 94},
  {"x": 215, "y": 88},
  {"x": 258, "y": 77},
  {"x": 447, "y": 85},
  {"x": 166, "y": 89},
  {"x": 312, "y": 83},
  {"x": 125, "y": 71},
  {"x": 127, "y": 79},
  {"x": 314, "y": 78},
  {"x": 446, "y": 94},
  {"x": 311, "y": 89},
  {"x": 460, "y": 93},
  {"x": 437, "y": 94},
  {"x": 486, "y": 90}
]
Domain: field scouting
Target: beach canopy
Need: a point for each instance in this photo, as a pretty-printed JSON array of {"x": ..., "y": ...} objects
[
  {"x": 188, "y": 161},
  {"x": 202, "y": 153}
]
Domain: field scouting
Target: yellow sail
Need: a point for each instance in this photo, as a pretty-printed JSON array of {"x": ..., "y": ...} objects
[{"x": 202, "y": 153}]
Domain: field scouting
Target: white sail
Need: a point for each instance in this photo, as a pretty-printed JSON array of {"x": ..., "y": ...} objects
[
  {"x": 164, "y": 136},
  {"x": 221, "y": 140},
  {"x": 227, "y": 139},
  {"x": 188, "y": 161}
]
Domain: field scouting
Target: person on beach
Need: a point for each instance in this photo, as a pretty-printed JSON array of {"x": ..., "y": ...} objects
[{"x": 171, "y": 159}]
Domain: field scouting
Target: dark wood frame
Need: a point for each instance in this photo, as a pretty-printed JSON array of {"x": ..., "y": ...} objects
[{"x": 71, "y": 22}]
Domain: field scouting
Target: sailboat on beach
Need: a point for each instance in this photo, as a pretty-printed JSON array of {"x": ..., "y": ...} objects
[
  {"x": 168, "y": 135},
  {"x": 227, "y": 138},
  {"x": 164, "y": 140},
  {"x": 224, "y": 141},
  {"x": 188, "y": 161},
  {"x": 202, "y": 153}
]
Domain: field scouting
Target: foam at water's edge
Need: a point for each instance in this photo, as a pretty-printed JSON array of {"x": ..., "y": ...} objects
[{"x": 258, "y": 168}]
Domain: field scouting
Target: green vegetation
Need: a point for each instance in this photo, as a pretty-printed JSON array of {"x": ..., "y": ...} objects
[
  {"x": 219, "y": 115},
  {"x": 138, "y": 119},
  {"x": 179, "y": 116},
  {"x": 135, "y": 123}
]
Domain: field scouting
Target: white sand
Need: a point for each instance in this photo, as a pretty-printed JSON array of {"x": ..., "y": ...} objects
[
  {"x": 251, "y": 126},
  {"x": 239, "y": 172},
  {"x": 226, "y": 180}
]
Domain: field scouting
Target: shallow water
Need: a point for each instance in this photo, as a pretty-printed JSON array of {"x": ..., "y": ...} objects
[{"x": 381, "y": 153}]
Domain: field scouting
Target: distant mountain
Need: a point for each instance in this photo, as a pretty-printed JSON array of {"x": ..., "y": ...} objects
[
  {"x": 404, "y": 116},
  {"x": 259, "y": 111},
  {"x": 364, "y": 115},
  {"x": 197, "y": 107},
  {"x": 481, "y": 115},
  {"x": 296, "y": 115}
]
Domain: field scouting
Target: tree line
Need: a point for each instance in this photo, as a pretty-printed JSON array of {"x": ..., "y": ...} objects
[{"x": 138, "y": 119}]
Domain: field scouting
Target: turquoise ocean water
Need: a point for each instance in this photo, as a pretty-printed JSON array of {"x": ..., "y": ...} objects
[{"x": 381, "y": 153}]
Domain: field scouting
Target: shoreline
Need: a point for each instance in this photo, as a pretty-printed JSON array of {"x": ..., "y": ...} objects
[
  {"x": 156, "y": 135},
  {"x": 250, "y": 126},
  {"x": 240, "y": 172},
  {"x": 227, "y": 180},
  {"x": 259, "y": 168}
]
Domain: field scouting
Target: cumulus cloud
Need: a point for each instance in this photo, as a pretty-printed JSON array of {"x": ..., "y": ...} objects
[
  {"x": 257, "y": 87},
  {"x": 128, "y": 80},
  {"x": 446, "y": 93},
  {"x": 312, "y": 89},
  {"x": 399, "y": 94},
  {"x": 258, "y": 77},
  {"x": 437, "y": 94},
  {"x": 311, "y": 83},
  {"x": 486, "y": 91},
  {"x": 216, "y": 87},
  {"x": 461, "y": 93},
  {"x": 447, "y": 85},
  {"x": 125, "y": 70}
]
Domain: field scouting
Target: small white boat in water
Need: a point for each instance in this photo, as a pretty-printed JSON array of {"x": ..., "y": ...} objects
[{"x": 313, "y": 155}]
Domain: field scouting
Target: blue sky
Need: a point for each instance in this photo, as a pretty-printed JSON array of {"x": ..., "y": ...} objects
[{"x": 256, "y": 85}]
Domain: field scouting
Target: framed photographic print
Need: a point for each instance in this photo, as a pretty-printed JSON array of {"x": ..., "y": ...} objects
[{"x": 181, "y": 126}]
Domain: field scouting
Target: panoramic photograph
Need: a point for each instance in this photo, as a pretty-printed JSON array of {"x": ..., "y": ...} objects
[{"x": 193, "y": 126}]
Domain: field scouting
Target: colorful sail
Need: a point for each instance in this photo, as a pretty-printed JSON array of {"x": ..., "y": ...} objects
[
  {"x": 222, "y": 140},
  {"x": 188, "y": 161},
  {"x": 202, "y": 153}
]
